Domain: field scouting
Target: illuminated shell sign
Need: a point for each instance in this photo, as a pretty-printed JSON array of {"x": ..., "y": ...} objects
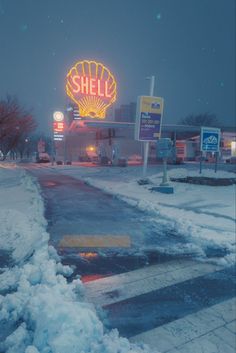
[{"x": 92, "y": 87}]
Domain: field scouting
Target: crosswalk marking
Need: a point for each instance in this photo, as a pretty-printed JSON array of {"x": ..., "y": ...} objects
[
  {"x": 190, "y": 334},
  {"x": 114, "y": 289},
  {"x": 95, "y": 241}
]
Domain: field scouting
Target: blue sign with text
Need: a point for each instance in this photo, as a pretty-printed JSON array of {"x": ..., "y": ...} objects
[
  {"x": 164, "y": 148},
  {"x": 210, "y": 139}
]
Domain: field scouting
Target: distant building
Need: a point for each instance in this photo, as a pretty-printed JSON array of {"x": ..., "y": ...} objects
[{"x": 126, "y": 112}]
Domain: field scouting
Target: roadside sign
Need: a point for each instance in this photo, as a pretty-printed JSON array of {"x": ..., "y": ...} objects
[
  {"x": 164, "y": 148},
  {"x": 58, "y": 126},
  {"x": 76, "y": 115},
  {"x": 210, "y": 139},
  {"x": 148, "y": 118}
]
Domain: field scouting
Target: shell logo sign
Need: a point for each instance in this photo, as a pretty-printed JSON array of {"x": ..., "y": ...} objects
[
  {"x": 58, "y": 116},
  {"x": 92, "y": 87}
]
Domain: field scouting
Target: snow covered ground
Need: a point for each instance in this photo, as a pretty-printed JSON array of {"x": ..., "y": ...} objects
[
  {"x": 39, "y": 311},
  {"x": 203, "y": 215}
]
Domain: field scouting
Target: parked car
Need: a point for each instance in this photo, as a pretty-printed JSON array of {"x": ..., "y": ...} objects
[
  {"x": 84, "y": 159},
  {"x": 122, "y": 162},
  {"x": 203, "y": 158},
  {"x": 135, "y": 159},
  {"x": 105, "y": 160},
  {"x": 231, "y": 160},
  {"x": 43, "y": 157},
  {"x": 94, "y": 159}
]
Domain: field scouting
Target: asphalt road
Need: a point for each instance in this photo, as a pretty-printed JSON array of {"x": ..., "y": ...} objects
[{"x": 74, "y": 209}]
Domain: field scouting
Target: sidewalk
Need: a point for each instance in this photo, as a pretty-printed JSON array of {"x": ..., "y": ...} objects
[{"x": 212, "y": 330}]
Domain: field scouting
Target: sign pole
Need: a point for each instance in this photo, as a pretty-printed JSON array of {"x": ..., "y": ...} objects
[
  {"x": 164, "y": 178},
  {"x": 216, "y": 161},
  {"x": 146, "y": 143},
  {"x": 164, "y": 151},
  {"x": 200, "y": 171},
  {"x": 145, "y": 158},
  {"x": 53, "y": 149},
  {"x": 65, "y": 149},
  {"x": 210, "y": 142},
  {"x": 58, "y": 130}
]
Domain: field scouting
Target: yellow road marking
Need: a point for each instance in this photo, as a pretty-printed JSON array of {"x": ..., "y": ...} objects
[{"x": 73, "y": 241}]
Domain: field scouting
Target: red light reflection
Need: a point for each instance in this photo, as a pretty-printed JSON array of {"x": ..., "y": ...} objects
[
  {"x": 88, "y": 255},
  {"x": 89, "y": 278}
]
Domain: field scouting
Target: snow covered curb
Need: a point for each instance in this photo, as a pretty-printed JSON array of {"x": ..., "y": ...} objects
[{"x": 39, "y": 311}]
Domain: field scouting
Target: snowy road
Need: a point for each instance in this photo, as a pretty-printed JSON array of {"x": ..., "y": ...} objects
[
  {"x": 149, "y": 303},
  {"x": 75, "y": 210}
]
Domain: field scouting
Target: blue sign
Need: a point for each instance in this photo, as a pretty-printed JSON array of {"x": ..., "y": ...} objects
[
  {"x": 210, "y": 139},
  {"x": 164, "y": 148}
]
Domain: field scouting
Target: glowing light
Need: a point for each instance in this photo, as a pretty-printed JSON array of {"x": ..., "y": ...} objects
[
  {"x": 58, "y": 126},
  {"x": 233, "y": 148},
  {"x": 88, "y": 255},
  {"x": 92, "y": 87},
  {"x": 58, "y": 116},
  {"x": 90, "y": 148}
]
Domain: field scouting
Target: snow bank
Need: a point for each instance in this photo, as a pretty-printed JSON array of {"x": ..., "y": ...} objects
[
  {"x": 208, "y": 173},
  {"x": 22, "y": 224},
  {"x": 39, "y": 311}
]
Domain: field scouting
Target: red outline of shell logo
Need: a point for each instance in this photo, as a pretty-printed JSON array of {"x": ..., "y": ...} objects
[{"x": 92, "y": 87}]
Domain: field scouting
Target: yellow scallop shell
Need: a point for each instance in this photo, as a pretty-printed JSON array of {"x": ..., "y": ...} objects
[{"x": 91, "y": 105}]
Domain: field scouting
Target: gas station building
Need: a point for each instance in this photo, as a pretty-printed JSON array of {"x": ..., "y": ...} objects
[{"x": 86, "y": 134}]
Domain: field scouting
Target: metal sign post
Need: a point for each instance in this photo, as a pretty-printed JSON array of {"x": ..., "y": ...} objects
[
  {"x": 146, "y": 143},
  {"x": 58, "y": 130},
  {"x": 65, "y": 151},
  {"x": 53, "y": 153},
  {"x": 148, "y": 121},
  {"x": 201, "y": 157},
  {"x": 145, "y": 157},
  {"x": 164, "y": 150},
  {"x": 216, "y": 161},
  {"x": 164, "y": 177}
]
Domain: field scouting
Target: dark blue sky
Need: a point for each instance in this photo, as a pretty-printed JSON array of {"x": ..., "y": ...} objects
[{"x": 189, "y": 45}]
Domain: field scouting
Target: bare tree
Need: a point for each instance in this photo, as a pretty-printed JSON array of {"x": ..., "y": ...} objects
[
  {"x": 25, "y": 127},
  {"x": 15, "y": 124},
  {"x": 205, "y": 119}
]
